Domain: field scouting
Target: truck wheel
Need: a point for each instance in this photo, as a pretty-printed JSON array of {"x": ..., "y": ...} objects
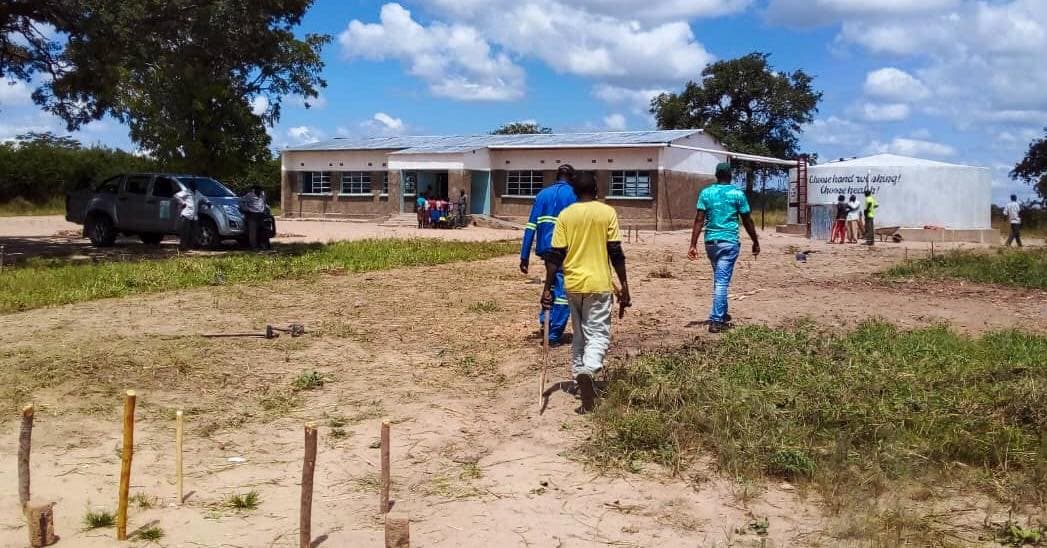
[
  {"x": 100, "y": 230},
  {"x": 207, "y": 236},
  {"x": 152, "y": 238}
]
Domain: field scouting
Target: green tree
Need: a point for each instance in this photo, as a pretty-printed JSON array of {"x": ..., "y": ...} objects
[
  {"x": 1033, "y": 168},
  {"x": 522, "y": 128},
  {"x": 182, "y": 74},
  {"x": 747, "y": 106}
]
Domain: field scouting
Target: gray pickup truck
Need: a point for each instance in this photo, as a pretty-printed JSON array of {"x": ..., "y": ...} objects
[{"x": 143, "y": 205}]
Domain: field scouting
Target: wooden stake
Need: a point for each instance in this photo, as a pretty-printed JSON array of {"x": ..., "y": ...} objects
[
  {"x": 2, "y": 258},
  {"x": 308, "y": 466},
  {"x": 25, "y": 444},
  {"x": 40, "y": 519},
  {"x": 384, "y": 502},
  {"x": 932, "y": 249},
  {"x": 179, "y": 431},
  {"x": 545, "y": 361},
  {"x": 397, "y": 531},
  {"x": 125, "y": 465}
]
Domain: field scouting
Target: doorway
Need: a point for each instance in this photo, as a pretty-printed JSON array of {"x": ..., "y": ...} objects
[{"x": 480, "y": 193}]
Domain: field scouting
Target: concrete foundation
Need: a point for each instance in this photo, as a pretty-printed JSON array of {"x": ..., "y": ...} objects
[
  {"x": 792, "y": 229},
  {"x": 974, "y": 235}
]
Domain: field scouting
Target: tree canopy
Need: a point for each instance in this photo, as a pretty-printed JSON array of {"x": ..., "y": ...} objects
[
  {"x": 747, "y": 106},
  {"x": 186, "y": 76},
  {"x": 1033, "y": 168},
  {"x": 521, "y": 128}
]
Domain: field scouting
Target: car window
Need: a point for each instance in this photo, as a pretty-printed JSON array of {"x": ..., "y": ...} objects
[
  {"x": 208, "y": 187},
  {"x": 165, "y": 187},
  {"x": 110, "y": 185},
  {"x": 137, "y": 184}
]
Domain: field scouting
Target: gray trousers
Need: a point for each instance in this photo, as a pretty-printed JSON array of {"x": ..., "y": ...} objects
[
  {"x": 870, "y": 231},
  {"x": 591, "y": 320}
]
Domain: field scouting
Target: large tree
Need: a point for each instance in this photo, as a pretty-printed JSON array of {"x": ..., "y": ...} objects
[
  {"x": 1033, "y": 168},
  {"x": 187, "y": 76},
  {"x": 747, "y": 106},
  {"x": 521, "y": 128}
]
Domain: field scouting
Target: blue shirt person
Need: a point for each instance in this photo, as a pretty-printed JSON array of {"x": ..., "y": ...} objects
[
  {"x": 539, "y": 234},
  {"x": 720, "y": 206}
]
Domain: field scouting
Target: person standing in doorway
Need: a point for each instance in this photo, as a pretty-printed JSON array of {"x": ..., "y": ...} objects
[
  {"x": 187, "y": 219},
  {"x": 719, "y": 207},
  {"x": 463, "y": 208},
  {"x": 419, "y": 209},
  {"x": 854, "y": 214},
  {"x": 1013, "y": 211},
  {"x": 840, "y": 223},
  {"x": 253, "y": 206},
  {"x": 539, "y": 232},
  {"x": 586, "y": 243},
  {"x": 870, "y": 215}
]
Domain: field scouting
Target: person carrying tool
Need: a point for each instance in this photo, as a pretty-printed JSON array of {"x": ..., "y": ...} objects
[
  {"x": 586, "y": 242},
  {"x": 187, "y": 219},
  {"x": 719, "y": 207},
  {"x": 870, "y": 214},
  {"x": 547, "y": 207}
]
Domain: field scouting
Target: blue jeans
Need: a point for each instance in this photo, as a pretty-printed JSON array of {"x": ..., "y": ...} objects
[
  {"x": 561, "y": 312},
  {"x": 722, "y": 255}
]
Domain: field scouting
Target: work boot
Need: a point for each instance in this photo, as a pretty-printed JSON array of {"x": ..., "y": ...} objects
[
  {"x": 588, "y": 392},
  {"x": 719, "y": 327}
]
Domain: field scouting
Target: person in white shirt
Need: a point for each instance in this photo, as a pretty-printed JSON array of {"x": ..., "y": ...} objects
[
  {"x": 188, "y": 218},
  {"x": 1013, "y": 211},
  {"x": 854, "y": 220},
  {"x": 253, "y": 206}
]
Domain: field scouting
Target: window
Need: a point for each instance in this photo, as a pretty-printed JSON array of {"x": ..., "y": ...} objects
[
  {"x": 316, "y": 182},
  {"x": 164, "y": 187},
  {"x": 356, "y": 182},
  {"x": 385, "y": 184},
  {"x": 410, "y": 183},
  {"x": 137, "y": 184},
  {"x": 631, "y": 184},
  {"x": 523, "y": 183},
  {"x": 110, "y": 185},
  {"x": 208, "y": 187}
]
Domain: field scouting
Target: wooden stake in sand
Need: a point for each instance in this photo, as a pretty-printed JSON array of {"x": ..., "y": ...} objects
[
  {"x": 125, "y": 465},
  {"x": 305, "y": 525},
  {"x": 41, "y": 521},
  {"x": 178, "y": 456},
  {"x": 397, "y": 531},
  {"x": 383, "y": 504},
  {"x": 545, "y": 360},
  {"x": 25, "y": 444}
]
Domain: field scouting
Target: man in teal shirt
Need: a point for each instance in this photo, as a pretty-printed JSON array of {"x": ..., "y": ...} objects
[{"x": 719, "y": 207}]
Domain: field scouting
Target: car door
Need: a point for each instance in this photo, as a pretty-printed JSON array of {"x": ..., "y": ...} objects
[
  {"x": 131, "y": 204},
  {"x": 163, "y": 208}
]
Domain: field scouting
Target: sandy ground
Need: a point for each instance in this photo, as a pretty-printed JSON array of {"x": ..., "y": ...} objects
[{"x": 448, "y": 354}]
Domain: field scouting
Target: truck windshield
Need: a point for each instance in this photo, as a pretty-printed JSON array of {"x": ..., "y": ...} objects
[{"x": 208, "y": 187}]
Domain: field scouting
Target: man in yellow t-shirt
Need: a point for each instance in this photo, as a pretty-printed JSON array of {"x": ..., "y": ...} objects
[{"x": 587, "y": 242}]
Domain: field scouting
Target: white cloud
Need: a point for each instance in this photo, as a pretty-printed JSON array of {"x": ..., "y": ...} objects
[
  {"x": 615, "y": 122},
  {"x": 259, "y": 105},
  {"x": 890, "y": 112},
  {"x": 300, "y": 135},
  {"x": 835, "y": 131},
  {"x": 912, "y": 147},
  {"x": 384, "y": 124},
  {"x": 809, "y": 13},
  {"x": 638, "y": 100},
  {"x": 894, "y": 84},
  {"x": 14, "y": 93},
  {"x": 455, "y": 60}
]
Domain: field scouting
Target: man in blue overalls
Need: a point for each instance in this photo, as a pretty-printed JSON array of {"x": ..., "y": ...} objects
[{"x": 547, "y": 207}]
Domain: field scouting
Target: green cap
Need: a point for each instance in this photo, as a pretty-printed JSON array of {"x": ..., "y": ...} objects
[{"x": 723, "y": 166}]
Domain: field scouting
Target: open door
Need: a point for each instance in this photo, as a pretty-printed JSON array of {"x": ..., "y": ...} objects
[{"x": 480, "y": 195}]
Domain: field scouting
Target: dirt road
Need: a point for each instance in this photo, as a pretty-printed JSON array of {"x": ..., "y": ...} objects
[{"x": 447, "y": 353}]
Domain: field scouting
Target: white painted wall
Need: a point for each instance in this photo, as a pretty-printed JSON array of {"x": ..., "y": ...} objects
[
  {"x": 334, "y": 160},
  {"x": 581, "y": 158},
  {"x": 479, "y": 160},
  {"x": 911, "y": 196},
  {"x": 690, "y": 161},
  {"x": 426, "y": 161}
]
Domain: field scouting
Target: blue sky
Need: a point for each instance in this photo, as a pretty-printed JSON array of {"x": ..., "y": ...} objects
[{"x": 952, "y": 80}]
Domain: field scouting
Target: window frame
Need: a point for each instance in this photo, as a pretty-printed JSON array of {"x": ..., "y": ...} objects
[
  {"x": 147, "y": 181},
  {"x": 531, "y": 179},
  {"x": 409, "y": 183},
  {"x": 620, "y": 188},
  {"x": 175, "y": 187},
  {"x": 358, "y": 183},
  {"x": 314, "y": 178},
  {"x": 384, "y": 190}
]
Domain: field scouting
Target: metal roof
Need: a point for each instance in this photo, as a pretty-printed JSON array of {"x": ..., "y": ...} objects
[
  {"x": 887, "y": 160},
  {"x": 442, "y": 144}
]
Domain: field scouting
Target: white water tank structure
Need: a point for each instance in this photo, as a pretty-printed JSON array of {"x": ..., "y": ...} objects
[{"x": 927, "y": 200}]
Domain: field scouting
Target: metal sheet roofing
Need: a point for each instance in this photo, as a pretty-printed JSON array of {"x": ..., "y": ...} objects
[
  {"x": 887, "y": 160},
  {"x": 437, "y": 144}
]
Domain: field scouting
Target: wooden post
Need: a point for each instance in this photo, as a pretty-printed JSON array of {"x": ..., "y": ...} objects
[
  {"x": 384, "y": 495},
  {"x": 932, "y": 249},
  {"x": 179, "y": 431},
  {"x": 2, "y": 258},
  {"x": 545, "y": 360},
  {"x": 125, "y": 465},
  {"x": 40, "y": 519},
  {"x": 397, "y": 531},
  {"x": 25, "y": 444},
  {"x": 305, "y": 526}
]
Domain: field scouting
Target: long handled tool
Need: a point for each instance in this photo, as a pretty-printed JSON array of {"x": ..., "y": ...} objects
[{"x": 545, "y": 360}]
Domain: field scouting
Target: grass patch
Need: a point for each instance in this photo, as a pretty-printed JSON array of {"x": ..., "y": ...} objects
[
  {"x": 42, "y": 282},
  {"x": 848, "y": 412},
  {"x": 21, "y": 207},
  {"x": 243, "y": 501},
  {"x": 484, "y": 307},
  {"x": 143, "y": 501},
  {"x": 309, "y": 380},
  {"x": 150, "y": 534},
  {"x": 99, "y": 519},
  {"x": 1016, "y": 268}
]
